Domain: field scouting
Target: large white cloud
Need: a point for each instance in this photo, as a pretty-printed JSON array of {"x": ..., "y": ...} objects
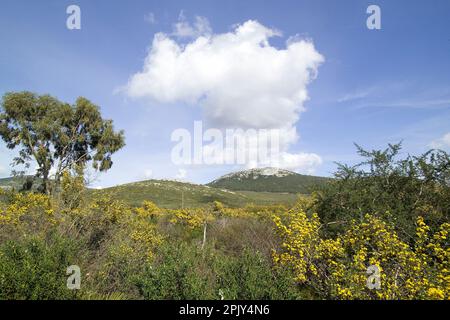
[{"x": 238, "y": 78}]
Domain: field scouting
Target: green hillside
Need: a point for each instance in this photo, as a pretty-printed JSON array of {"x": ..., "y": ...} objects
[
  {"x": 173, "y": 194},
  {"x": 17, "y": 182},
  {"x": 258, "y": 186},
  {"x": 268, "y": 180}
]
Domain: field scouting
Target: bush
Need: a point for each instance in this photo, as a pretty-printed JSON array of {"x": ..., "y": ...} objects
[
  {"x": 396, "y": 190},
  {"x": 181, "y": 271},
  {"x": 187, "y": 272},
  {"x": 36, "y": 269},
  {"x": 233, "y": 235},
  {"x": 251, "y": 277},
  {"x": 370, "y": 214},
  {"x": 337, "y": 267}
]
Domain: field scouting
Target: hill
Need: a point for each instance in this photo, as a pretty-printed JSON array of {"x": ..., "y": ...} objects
[
  {"x": 268, "y": 180},
  {"x": 17, "y": 182},
  {"x": 257, "y": 186},
  {"x": 174, "y": 194}
]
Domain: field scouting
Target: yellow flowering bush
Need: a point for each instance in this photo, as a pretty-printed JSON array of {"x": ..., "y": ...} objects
[
  {"x": 130, "y": 241},
  {"x": 145, "y": 237},
  {"x": 337, "y": 268},
  {"x": 249, "y": 211},
  {"x": 134, "y": 231},
  {"x": 26, "y": 209},
  {"x": 300, "y": 240},
  {"x": 111, "y": 210},
  {"x": 148, "y": 210},
  {"x": 434, "y": 252},
  {"x": 192, "y": 218}
]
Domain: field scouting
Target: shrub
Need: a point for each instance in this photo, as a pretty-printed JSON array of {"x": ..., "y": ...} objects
[
  {"x": 36, "y": 269},
  {"x": 187, "y": 272},
  {"x": 336, "y": 267},
  {"x": 396, "y": 190},
  {"x": 250, "y": 276},
  {"x": 181, "y": 272},
  {"x": 233, "y": 235}
]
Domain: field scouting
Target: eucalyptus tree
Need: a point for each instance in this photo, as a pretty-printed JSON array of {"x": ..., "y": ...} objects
[{"x": 56, "y": 135}]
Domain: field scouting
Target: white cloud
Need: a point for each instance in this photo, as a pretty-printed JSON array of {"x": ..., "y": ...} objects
[
  {"x": 181, "y": 175},
  {"x": 357, "y": 95},
  {"x": 238, "y": 78},
  {"x": 150, "y": 18},
  {"x": 148, "y": 173},
  {"x": 414, "y": 104},
  {"x": 302, "y": 162},
  {"x": 183, "y": 29},
  {"x": 2, "y": 169},
  {"x": 258, "y": 149},
  {"x": 392, "y": 95},
  {"x": 443, "y": 142}
]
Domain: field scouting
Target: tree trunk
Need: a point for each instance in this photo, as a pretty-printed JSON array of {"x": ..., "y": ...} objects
[
  {"x": 45, "y": 182},
  {"x": 57, "y": 183}
]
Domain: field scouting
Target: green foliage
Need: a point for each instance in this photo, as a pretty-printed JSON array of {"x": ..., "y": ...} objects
[
  {"x": 232, "y": 236},
  {"x": 187, "y": 272},
  {"x": 57, "y": 134},
  {"x": 370, "y": 215},
  {"x": 250, "y": 276},
  {"x": 182, "y": 272},
  {"x": 397, "y": 190},
  {"x": 36, "y": 269}
]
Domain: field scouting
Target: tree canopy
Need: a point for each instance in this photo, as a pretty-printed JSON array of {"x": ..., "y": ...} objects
[{"x": 57, "y": 135}]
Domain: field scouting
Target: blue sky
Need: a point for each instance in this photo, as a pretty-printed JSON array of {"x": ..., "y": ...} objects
[{"x": 373, "y": 87}]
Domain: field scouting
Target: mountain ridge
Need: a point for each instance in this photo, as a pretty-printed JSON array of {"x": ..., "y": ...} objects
[
  {"x": 267, "y": 171},
  {"x": 268, "y": 179}
]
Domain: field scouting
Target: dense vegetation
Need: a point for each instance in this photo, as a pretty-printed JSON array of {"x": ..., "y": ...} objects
[
  {"x": 254, "y": 252},
  {"x": 395, "y": 190},
  {"x": 378, "y": 230}
]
